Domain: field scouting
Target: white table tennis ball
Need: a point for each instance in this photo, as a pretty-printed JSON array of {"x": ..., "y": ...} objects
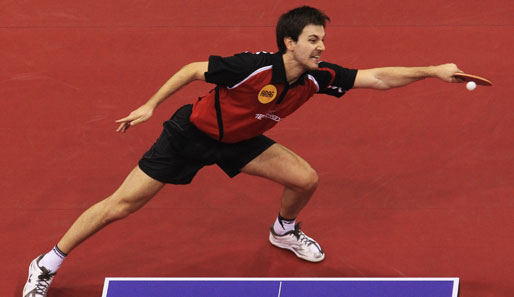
[{"x": 471, "y": 85}]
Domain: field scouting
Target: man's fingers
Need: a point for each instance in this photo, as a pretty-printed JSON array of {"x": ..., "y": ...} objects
[
  {"x": 122, "y": 128},
  {"x": 125, "y": 119},
  {"x": 127, "y": 122},
  {"x": 137, "y": 121}
]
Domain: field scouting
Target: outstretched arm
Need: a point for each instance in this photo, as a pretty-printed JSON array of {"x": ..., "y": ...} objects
[
  {"x": 188, "y": 73},
  {"x": 394, "y": 77}
]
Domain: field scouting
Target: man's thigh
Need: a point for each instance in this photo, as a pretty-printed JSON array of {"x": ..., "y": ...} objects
[
  {"x": 281, "y": 165},
  {"x": 137, "y": 188}
]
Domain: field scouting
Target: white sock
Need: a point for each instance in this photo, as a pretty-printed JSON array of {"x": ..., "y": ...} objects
[
  {"x": 282, "y": 225},
  {"x": 53, "y": 259}
]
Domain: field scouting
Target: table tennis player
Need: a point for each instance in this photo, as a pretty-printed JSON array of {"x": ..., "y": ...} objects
[{"x": 252, "y": 92}]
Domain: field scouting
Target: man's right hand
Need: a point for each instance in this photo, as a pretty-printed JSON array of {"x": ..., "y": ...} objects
[{"x": 446, "y": 72}]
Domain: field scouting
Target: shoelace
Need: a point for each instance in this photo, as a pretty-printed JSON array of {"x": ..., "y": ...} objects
[
  {"x": 301, "y": 236},
  {"x": 43, "y": 281}
]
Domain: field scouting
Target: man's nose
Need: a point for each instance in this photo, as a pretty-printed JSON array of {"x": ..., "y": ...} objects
[{"x": 321, "y": 46}]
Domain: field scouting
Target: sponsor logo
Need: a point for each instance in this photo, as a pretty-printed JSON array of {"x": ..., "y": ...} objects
[
  {"x": 270, "y": 116},
  {"x": 267, "y": 94},
  {"x": 338, "y": 89}
]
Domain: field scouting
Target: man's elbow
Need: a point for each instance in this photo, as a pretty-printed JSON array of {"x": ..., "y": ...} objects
[
  {"x": 198, "y": 70},
  {"x": 380, "y": 84}
]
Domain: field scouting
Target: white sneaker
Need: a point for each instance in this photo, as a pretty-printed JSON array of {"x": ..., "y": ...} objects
[
  {"x": 296, "y": 241},
  {"x": 39, "y": 280}
]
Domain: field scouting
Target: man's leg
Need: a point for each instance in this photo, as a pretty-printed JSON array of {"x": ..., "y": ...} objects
[
  {"x": 283, "y": 166},
  {"x": 137, "y": 189}
]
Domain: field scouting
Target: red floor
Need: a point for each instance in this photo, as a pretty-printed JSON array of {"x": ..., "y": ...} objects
[{"x": 415, "y": 182}]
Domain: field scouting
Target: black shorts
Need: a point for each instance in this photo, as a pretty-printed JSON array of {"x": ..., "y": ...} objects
[{"x": 182, "y": 150}]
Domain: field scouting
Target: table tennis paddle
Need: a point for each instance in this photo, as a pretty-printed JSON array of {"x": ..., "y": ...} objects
[{"x": 477, "y": 79}]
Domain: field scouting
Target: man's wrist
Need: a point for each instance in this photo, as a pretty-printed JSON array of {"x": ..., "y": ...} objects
[
  {"x": 431, "y": 71},
  {"x": 152, "y": 103}
]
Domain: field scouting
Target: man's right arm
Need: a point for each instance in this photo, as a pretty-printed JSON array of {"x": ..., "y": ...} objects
[
  {"x": 394, "y": 77},
  {"x": 187, "y": 74}
]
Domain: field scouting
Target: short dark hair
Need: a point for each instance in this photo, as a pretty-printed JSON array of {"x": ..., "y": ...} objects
[{"x": 291, "y": 23}]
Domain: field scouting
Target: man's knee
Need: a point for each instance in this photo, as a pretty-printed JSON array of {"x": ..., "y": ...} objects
[
  {"x": 120, "y": 207},
  {"x": 308, "y": 182}
]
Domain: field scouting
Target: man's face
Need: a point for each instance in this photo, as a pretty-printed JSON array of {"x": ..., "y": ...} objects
[{"x": 307, "y": 50}]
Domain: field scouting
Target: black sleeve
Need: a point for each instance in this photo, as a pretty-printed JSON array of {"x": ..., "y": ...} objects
[
  {"x": 333, "y": 79},
  {"x": 229, "y": 71}
]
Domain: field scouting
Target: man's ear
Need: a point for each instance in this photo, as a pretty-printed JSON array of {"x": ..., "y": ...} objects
[{"x": 290, "y": 43}]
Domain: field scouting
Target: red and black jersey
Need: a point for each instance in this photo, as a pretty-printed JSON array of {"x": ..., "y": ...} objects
[{"x": 252, "y": 94}]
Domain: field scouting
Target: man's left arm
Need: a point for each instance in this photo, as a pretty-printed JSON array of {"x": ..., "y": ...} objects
[{"x": 394, "y": 77}]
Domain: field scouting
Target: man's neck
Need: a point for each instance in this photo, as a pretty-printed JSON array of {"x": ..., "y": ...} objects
[{"x": 293, "y": 69}]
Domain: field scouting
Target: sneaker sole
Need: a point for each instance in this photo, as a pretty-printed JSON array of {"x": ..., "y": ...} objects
[{"x": 285, "y": 247}]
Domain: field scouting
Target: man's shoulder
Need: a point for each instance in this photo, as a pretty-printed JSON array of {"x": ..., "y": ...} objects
[
  {"x": 325, "y": 71},
  {"x": 334, "y": 79},
  {"x": 255, "y": 54},
  {"x": 231, "y": 70},
  {"x": 244, "y": 59},
  {"x": 327, "y": 66},
  {"x": 254, "y": 57}
]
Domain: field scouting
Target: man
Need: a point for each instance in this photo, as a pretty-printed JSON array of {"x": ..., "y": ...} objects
[{"x": 253, "y": 93}]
